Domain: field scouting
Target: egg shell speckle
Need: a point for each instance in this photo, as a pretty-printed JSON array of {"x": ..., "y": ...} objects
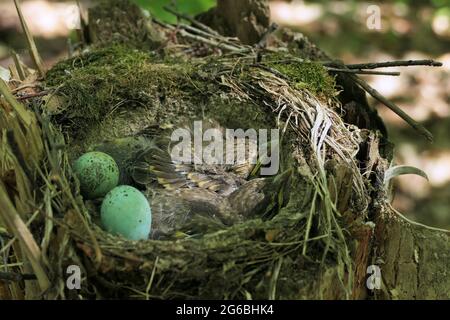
[
  {"x": 125, "y": 211},
  {"x": 98, "y": 174}
]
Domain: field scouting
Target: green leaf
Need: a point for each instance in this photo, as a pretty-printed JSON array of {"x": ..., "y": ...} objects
[
  {"x": 396, "y": 171},
  {"x": 189, "y": 7}
]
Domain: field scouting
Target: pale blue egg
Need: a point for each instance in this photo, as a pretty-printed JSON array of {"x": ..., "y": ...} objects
[
  {"x": 125, "y": 211},
  {"x": 98, "y": 174}
]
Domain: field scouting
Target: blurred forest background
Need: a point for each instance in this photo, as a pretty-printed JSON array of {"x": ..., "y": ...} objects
[{"x": 409, "y": 30}]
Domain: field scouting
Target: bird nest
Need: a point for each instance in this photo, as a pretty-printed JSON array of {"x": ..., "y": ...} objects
[{"x": 112, "y": 92}]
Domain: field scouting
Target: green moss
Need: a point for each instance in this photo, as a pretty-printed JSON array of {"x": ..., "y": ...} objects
[
  {"x": 117, "y": 78},
  {"x": 304, "y": 75}
]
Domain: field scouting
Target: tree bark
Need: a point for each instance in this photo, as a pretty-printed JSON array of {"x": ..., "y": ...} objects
[
  {"x": 246, "y": 20},
  {"x": 414, "y": 261}
]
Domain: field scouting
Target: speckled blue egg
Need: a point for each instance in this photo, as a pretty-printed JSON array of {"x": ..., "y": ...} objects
[
  {"x": 98, "y": 174},
  {"x": 125, "y": 211}
]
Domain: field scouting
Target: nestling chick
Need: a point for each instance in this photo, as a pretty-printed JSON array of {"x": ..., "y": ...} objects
[{"x": 177, "y": 191}]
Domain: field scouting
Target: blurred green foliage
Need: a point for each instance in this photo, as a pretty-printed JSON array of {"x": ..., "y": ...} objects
[
  {"x": 190, "y": 7},
  {"x": 194, "y": 7},
  {"x": 417, "y": 3},
  {"x": 445, "y": 11}
]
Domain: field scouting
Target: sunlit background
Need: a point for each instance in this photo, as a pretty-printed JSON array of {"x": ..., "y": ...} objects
[{"x": 409, "y": 30}]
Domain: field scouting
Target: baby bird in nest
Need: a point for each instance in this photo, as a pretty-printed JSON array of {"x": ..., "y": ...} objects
[{"x": 227, "y": 194}]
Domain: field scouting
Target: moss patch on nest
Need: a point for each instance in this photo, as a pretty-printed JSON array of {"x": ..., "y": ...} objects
[
  {"x": 99, "y": 80},
  {"x": 117, "y": 78},
  {"x": 308, "y": 75}
]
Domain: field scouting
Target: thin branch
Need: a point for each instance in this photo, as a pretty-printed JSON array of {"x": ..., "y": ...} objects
[
  {"x": 211, "y": 42},
  {"x": 399, "y": 63},
  {"x": 378, "y": 96},
  {"x": 207, "y": 35},
  {"x": 16, "y": 277},
  {"x": 25, "y": 86},
  {"x": 32, "y": 95},
  {"x": 396, "y": 109},
  {"x": 354, "y": 71},
  {"x": 191, "y": 20},
  {"x": 271, "y": 70}
]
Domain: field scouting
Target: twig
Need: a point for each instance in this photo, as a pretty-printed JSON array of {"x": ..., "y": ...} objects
[
  {"x": 271, "y": 70},
  {"x": 32, "y": 95},
  {"x": 25, "y": 86},
  {"x": 214, "y": 43},
  {"x": 354, "y": 71},
  {"x": 399, "y": 63},
  {"x": 191, "y": 20},
  {"x": 207, "y": 35},
  {"x": 402, "y": 114},
  {"x": 297, "y": 60},
  {"x": 16, "y": 277},
  {"x": 378, "y": 96}
]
